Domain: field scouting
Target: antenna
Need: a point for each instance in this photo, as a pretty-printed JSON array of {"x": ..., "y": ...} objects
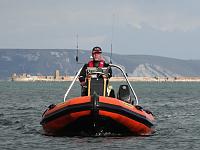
[
  {"x": 111, "y": 45},
  {"x": 111, "y": 53},
  {"x": 77, "y": 48}
]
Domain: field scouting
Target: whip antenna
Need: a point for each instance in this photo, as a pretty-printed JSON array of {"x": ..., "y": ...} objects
[
  {"x": 111, "y": 53},
  {"x": 111, "y": 45},
  {"x": 77, "y": 48}
]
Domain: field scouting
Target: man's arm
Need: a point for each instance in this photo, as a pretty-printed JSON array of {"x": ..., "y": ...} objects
[
  {"x": 109, "y": 71},
  {"x": 82, "y": 75}
]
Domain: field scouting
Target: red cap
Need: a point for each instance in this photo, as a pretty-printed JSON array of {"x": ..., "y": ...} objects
[{"x": 96, "y": 50}]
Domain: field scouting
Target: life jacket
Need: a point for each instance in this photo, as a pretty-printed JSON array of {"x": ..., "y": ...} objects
[{"x": 101, "y": 63}]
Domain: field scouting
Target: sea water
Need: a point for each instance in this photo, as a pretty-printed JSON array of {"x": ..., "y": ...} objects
[{"x": 176, "y": 107}]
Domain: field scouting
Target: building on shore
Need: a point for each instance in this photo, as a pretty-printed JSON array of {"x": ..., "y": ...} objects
[{"x": 27, "y": 77}]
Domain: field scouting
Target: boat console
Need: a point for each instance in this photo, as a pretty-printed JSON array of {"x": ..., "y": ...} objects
[{"x": 97, "y": 80}]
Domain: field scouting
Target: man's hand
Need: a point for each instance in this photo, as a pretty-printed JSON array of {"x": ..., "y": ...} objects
[
  {"x": 104, "y": 76},
  {"x": 83, "y": 84}
]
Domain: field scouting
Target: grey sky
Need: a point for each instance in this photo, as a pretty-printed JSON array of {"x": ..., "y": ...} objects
[{"x": 168, "y": 28}]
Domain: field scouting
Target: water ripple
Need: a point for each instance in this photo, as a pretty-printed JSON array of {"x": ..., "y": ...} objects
[{"x": 175, "y": 105}]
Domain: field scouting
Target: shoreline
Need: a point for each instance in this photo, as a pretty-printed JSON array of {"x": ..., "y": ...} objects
[{"x": 114, "y": 79}]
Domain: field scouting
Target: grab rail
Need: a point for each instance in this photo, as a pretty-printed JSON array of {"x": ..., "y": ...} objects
[
  {"x": 112, "y": 65},
  {"x": 72, "y": 83}
]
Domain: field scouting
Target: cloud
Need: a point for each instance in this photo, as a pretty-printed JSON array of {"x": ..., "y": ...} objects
[
  {"x": 167, "y": 16},
  {"x": 162, "y": 15},
  {"x": 54, "y": 24}
]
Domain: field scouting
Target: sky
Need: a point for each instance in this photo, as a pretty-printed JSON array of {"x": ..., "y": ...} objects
[{"x": 169, "y": 28}]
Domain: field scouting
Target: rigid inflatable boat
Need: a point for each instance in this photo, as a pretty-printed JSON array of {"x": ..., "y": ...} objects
[{"x": 98, "y": 113}]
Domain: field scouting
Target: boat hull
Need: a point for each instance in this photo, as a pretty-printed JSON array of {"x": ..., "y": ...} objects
[{"x": 96, "y": 115}]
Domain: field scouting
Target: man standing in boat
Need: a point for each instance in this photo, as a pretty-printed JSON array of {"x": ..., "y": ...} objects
[{"x": 97, "y": 61}]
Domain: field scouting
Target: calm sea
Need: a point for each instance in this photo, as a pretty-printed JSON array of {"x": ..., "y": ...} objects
[{"x": 175, "y": 105}]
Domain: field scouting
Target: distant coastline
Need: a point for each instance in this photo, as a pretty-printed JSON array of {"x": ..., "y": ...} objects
[
  {"x": 59, "y": 78},
  {"x": 159, "y": 79},
  {"x": 42, "y": 64}
]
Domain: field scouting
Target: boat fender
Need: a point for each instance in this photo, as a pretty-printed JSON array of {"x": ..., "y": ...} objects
[
  {"x": 44, "y": 113},
  {"x": 148, "y": 112},
  {"x": 51, "y": 106},
  {"x": 138, "y": 107}
]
